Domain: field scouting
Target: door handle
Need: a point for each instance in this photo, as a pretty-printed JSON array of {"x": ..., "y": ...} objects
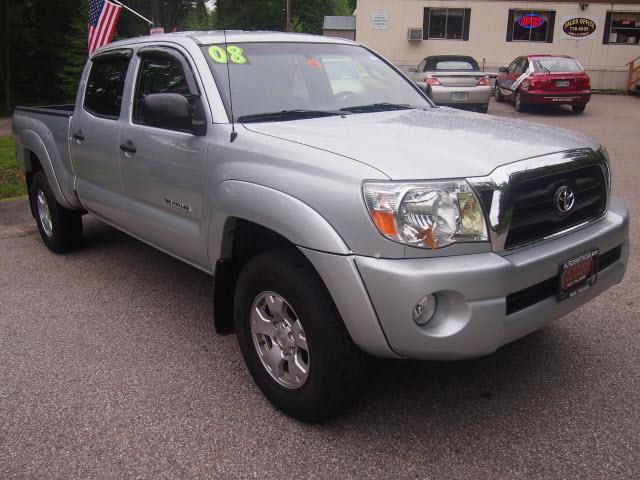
[
  {"x": 128, "y": 147},
  {"x": 78, "y": 136}
]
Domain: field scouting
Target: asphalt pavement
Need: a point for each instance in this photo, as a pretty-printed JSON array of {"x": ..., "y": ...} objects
[{"x": 110, "y": 368}]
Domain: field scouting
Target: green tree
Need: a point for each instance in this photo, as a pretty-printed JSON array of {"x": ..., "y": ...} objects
[
  {"x": 271, "y": 14},
  {"x": 74, "y": 55}
]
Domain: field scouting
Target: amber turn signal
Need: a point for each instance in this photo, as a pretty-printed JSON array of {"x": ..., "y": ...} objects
[{"x": 385, "y": 222}]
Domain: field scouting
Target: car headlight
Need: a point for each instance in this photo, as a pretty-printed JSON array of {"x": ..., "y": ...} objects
[{"x": 426, "y": 215}]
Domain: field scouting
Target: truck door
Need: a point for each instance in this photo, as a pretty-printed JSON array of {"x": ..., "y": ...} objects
[
  {"x": 94, "y": 135},
  {"x": 163, "y": 168}
]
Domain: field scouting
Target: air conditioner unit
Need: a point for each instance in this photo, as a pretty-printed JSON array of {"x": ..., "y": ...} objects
[{"x": 415, "y": 34}]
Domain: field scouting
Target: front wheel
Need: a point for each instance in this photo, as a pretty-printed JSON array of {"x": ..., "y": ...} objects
[
  {"x": 578, "y": 108},
  {"x": 499, "y": 96},
  {"x": 59, "y": 227},
  {"x": 520, "y": 105},
  {"x": 292, "y": 338}
]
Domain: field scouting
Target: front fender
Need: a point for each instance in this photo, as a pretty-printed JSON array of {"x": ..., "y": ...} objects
[{"x": 273, "y": 209}]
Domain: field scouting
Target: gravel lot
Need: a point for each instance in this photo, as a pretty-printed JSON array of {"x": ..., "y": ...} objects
[{"x": 109, "y": 368}]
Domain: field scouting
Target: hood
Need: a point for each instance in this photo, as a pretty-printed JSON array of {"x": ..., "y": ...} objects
[{"x": 427, "y": 144}]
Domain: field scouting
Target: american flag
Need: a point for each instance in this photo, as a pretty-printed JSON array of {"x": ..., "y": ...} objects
[{"x": 103, "y": 16}]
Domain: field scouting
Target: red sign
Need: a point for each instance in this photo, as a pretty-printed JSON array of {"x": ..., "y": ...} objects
[
  {"x": 156, "y": 31},
  {"x": 530, "y": 20}
]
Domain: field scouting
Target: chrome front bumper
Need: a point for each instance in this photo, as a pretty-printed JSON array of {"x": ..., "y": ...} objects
[{"x": 472, "y": 292}]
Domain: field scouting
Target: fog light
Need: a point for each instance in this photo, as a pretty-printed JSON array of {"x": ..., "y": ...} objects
[{"x": 424, "y": 310}]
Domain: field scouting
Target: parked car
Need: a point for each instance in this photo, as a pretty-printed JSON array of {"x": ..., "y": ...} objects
[
  {"x": 337, "y": 226},
  {"x": 454, "y": 81},
  {"x": 544, "y": 80}
]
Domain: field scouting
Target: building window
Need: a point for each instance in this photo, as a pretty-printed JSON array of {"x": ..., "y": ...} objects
[
  {"x": 622, "y": 27},
  {"x": 446, "y": 23},
  {"x": 530, "y": 26}
]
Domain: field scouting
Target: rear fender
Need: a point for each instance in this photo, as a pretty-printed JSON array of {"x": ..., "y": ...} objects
[{"x": 60, "y": 180}]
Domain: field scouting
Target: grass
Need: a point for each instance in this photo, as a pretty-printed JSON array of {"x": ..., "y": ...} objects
[
  {"x": 609, "y": 91},
  {"x": 12, "y": 182}
]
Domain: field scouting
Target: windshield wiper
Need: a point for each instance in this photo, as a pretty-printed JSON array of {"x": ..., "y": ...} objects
[
  {"x": 377, "y": 107},
  {"x": 288, "y": 115}
]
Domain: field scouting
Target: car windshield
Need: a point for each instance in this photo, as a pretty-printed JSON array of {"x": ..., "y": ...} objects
[
  {"x": 278, "y": 81},
  {"x": 556, "y": 64}
]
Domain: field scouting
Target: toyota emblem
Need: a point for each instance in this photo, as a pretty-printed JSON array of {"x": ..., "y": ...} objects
[{"x": 565, "y": 200}]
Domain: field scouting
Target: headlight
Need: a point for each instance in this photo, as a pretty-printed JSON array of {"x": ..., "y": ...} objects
[{"x": 427, "y": 215}]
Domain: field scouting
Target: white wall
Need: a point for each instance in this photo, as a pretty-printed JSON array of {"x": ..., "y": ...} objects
[{"x": 487, "y": 36}]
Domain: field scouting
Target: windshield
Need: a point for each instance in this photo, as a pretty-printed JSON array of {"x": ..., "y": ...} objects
[
  {"x": 318, "y": 79},
  {"x": 556, "y": 64}
]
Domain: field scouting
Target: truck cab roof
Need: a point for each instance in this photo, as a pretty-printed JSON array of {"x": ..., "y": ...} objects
[{"x": 232, "y": 36}]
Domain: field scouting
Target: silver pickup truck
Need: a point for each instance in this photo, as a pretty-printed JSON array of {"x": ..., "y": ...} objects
[{"x": 341, "y": 213}]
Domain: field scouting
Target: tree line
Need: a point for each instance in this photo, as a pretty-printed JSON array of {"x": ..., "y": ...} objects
[{"x": 44, "y": 43}]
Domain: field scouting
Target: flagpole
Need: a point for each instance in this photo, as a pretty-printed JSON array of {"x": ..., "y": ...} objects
[{"x": 132, "y": 11}]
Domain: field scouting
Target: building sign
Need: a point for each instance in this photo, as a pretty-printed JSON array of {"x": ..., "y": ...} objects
[
  {"x": 156, "y": 31},
  {"x": 531, "y": 20},
  {"x": 579, "y": 28},
  {"x": 379, "y": 21}
]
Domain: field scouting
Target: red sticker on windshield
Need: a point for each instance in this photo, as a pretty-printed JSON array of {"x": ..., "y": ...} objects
[{"x": 312, "y": 62}]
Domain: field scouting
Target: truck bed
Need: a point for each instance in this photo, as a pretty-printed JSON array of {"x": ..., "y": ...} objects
[
  {"x": 45, "y": 130},
  {"x": 57, "y": 110}
]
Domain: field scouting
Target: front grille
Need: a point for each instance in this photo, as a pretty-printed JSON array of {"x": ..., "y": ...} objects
[
  {"x": 548, "y": 288},
  {"x": 534, "y": 210}
]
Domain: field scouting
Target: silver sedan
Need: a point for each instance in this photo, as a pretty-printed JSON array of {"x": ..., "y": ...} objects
[{"x": 454, "y": 81}]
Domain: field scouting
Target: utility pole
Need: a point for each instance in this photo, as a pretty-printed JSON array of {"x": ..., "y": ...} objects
[
  {"x": 288, "y": 25},
  {"x": 7, "y": 57},
  {"x": 155, "y": 13}
]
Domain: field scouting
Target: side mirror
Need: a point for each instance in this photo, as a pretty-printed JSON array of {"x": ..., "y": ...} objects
[
  {"x": 413, "y": 70},
  {"x": 168, "y": 110},
  {"x": 503, "y": 69}
]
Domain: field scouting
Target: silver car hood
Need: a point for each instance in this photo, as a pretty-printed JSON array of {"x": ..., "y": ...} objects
[{"x": 427, "y": 144}]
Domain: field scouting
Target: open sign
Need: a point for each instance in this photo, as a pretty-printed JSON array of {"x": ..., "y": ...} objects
[{"x": 531, "y": 20}]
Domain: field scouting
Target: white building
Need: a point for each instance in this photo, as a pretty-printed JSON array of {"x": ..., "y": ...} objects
[{"x": 602, "y": 36}]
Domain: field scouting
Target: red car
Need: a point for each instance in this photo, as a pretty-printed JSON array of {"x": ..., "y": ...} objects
[{"x": 544, "y": 80}]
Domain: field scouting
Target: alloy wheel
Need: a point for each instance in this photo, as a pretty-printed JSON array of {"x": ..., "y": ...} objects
[
  {"x": 44, "y": 213},
  {"x": 279, "y": 340}
]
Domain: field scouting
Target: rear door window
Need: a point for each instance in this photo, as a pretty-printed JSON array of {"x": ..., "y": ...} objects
[{"x": 105, "y": 85}]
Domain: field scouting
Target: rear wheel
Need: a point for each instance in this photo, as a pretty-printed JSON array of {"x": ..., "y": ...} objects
[
  {"x": 292, "y": 338},
  {"x": 59, "y": 227},
  {"x": 578, "y": 108},
  {"x": 520, "y": 105},
  {"x": 483, "y": 109}
]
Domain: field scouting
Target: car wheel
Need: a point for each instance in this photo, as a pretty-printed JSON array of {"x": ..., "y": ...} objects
[
  {"x": 292, "y": 338},
  {"x": 578, "y": 108},
  {"x": 520, "y": 105},
  {"x": 499, "y": 96},
  {"x": 59, "y": 227},
  {"x": 483, "y": 109}
]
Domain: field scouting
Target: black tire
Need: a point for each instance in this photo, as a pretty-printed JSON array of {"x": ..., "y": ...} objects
[
  {"x": 519, "y": 103},
  {"x": 578, "y": 108},
  {"x": 336, "y": 367},
  {"x": 483, "y": 109},
  {"x": 66, "y": 225},
  {"x": 499, "y": 96}
]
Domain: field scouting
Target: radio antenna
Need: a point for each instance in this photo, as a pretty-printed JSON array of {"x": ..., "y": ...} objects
[{"x": 234, "y": 134}]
